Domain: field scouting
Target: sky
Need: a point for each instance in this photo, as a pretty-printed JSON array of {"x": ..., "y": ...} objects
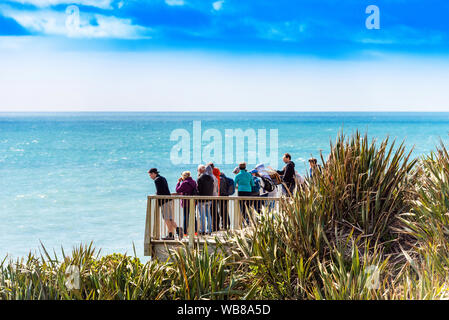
[{"x": 225, "y": 55}]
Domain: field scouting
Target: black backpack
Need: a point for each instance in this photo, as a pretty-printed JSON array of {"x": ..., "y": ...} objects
[
  {"x": 223, "y": 185},
  {"x": 268, "y": 184},
  {"x": 227, "y": 187}
]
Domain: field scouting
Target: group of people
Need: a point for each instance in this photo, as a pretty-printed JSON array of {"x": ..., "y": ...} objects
[{"x": 212, "y": 182}]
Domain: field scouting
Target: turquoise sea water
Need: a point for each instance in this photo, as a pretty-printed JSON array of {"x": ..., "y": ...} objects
[{"x": 67, "y": 178}]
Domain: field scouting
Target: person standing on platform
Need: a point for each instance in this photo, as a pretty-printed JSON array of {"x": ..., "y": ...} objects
[{"x": 165, "y": 204}]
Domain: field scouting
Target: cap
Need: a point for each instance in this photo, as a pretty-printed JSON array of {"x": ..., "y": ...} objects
[
  {"x": 254, "y": 171},
  {"x": 153, "y": 170}
]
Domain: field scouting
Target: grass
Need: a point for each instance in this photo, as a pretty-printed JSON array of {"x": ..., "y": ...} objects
[{"x": 372, "y": 224}]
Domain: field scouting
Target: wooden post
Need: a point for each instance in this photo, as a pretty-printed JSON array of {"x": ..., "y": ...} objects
[
  {"x": 147, "y": 241},
  {"x": 191, "y": 230},
  {"x": 157, "y": 219},
  {"x": 252, "y": 211},
  {"x": 237, "y": 224}
]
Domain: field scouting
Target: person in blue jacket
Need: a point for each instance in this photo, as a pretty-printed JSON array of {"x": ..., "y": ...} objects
[{"x": 244, "y": 183}]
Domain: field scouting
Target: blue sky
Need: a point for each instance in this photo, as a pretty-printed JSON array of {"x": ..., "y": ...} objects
[{"x": 200, "y": 54}]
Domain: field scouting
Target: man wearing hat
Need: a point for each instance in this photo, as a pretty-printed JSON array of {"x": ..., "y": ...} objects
[{"x": 165, "y": 204}]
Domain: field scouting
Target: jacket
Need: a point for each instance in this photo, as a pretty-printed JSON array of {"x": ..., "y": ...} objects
[
  {"x": 205, "y": 184},
  {"x": 244, "y": 181},
  {"x": 288, "y": 173},
  {"x": 186, "y": 187},
  {"x": 162, "y": 188},
  {"x": 209, "y": 172},
  {"x": 216, "y": 173}
]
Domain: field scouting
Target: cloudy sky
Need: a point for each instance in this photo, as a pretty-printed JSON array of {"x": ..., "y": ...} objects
[{"x": 95, "y": 55}]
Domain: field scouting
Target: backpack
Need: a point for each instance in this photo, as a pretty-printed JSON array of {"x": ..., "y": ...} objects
[
  {"x": 223, "y": 185},
  {"x": 230, "y": 187},
  {"x": 268, "y": 184},
  {"x": 255, "y": 190}
]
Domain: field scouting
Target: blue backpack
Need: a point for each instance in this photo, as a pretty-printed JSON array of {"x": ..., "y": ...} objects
[{"x": 255, "y": 190}]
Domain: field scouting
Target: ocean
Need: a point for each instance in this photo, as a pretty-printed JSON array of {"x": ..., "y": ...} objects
[{"x": 71, "y": 178}]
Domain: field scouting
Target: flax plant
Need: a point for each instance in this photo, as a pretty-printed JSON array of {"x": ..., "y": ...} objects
[{"x": 372, "y": 223}]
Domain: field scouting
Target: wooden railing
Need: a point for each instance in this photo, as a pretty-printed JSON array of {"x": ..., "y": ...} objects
[{"x": 226, "y": 213}]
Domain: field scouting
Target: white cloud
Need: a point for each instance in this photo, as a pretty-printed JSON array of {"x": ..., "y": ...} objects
[
  {"x": 103, "y": 4},
  {"x": 217, "y": 5},
  {"x": 175, "y": 2},
  {"x": 403, "y": 35},
  {"x": 112, "y": 27},
  {"x": 289, "y": 31},
  {"x": 52, "y": 22}
]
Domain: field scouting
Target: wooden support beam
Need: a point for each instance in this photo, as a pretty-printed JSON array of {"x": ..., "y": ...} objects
[
  {"x": 237, "y": 223},
  {"x": 191, "y": 230},
  {"x": 153, "y": 227},
  {"x": 147, "y": 241},
  {"x": 157, "y": 219}
]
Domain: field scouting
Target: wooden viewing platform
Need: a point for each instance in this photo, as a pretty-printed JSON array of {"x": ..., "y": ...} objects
[{"x": 221, "y": 207}]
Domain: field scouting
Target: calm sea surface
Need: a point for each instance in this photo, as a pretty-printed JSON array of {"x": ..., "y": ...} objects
[{"x": 70, "y": 178}]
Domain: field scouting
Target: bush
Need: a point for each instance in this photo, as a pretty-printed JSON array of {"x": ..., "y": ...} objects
[{"x": 371, "y": 224}]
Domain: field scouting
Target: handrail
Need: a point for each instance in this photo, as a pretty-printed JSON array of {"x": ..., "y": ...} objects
[
  {"x": 234, "y": 209},
  {"x": 167, "y": 197}
]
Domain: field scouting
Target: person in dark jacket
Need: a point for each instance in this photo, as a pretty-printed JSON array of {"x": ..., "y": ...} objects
[
  {"x": 288, "y": 173},
  {"x": 186, "y": 186},
  {"x": 165, "y": 204},
  {"x": 205, "y": 184},
  {"x": 224, "y": 214}
]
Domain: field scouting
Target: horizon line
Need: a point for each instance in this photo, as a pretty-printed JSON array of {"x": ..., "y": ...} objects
[{"x": 224, "y": 111}]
